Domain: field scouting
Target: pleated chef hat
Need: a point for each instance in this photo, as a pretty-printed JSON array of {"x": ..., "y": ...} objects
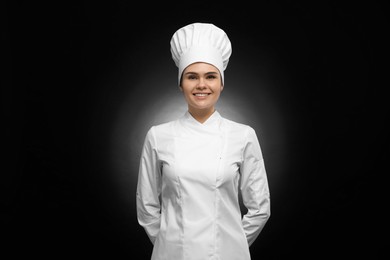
[{"x": 200, "y": 42}]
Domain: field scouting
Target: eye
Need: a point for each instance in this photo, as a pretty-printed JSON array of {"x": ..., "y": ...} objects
[
  {"x": 191, "y": 76},
  {"x": 211, "y": 76}
]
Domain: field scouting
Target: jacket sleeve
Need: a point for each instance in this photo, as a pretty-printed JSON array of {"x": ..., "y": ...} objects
[
  {"x": 254, "y": 188},
  {"x": 149, "y": 188}
]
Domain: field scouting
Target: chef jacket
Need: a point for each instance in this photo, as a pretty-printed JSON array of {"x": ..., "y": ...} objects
[{"x": 187, "y": 193}]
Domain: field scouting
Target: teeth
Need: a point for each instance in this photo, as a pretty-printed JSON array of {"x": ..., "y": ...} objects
[{"x": 201, "y": 94}]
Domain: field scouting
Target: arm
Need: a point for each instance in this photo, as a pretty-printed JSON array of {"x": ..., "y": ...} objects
[
  {"x": 254, "y": 188},
  {"x": 149, "y": 188}
]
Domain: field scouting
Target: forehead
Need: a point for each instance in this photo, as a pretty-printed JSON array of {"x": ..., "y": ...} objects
[{"x": 200, "y": 67}]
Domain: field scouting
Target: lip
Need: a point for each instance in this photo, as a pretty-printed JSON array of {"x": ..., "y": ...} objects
[{"x": 200, "y": 94}]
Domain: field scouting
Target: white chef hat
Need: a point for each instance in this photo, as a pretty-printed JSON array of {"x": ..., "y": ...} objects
[{"x": 200, "y": 42}]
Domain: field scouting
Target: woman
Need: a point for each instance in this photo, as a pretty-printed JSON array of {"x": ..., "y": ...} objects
[{"x": 191, "y": 169}]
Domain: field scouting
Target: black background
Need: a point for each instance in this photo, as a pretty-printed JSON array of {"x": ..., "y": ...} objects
[{"x": 67, "y": 67}]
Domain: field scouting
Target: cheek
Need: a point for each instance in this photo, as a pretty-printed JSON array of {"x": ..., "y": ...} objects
[
  {"x": 186, "y": 87},
  {"x": 218, "y": 89},
  {"x": 187, "y": 94}
]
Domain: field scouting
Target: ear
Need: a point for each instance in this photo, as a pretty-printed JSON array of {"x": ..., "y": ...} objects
[
  {"x": 181, "y": 88},
  {"x": 221, "y": 88}
]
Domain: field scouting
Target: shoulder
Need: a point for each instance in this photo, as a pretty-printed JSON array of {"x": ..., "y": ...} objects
[
  {"x": 161, "y": 131},
  {"x": 240, "y": 132},
  {"x": 164, "y": 127},
  {"x": 233, "y": 127}
]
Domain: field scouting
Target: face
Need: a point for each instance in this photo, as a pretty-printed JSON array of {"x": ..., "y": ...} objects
[{"x": 201, "y": 85}]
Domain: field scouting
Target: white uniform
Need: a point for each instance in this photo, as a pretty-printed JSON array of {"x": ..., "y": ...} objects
[{"x": 187, "y": 192}]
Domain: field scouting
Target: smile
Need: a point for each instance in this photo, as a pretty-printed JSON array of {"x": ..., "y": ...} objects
[{"x": 201, "y": 94}]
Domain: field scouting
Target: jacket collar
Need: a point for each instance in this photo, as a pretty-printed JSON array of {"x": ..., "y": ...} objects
[{"x": 212, "y": 124}]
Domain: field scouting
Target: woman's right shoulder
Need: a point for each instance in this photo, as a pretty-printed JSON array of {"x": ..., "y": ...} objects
[{"x": 163, "y": 129}]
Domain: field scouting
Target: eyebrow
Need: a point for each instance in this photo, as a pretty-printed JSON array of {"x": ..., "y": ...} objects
[{"x": 207, "y": 73}]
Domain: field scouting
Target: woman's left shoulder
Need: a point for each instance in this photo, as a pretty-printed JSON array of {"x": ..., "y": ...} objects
[{"x": 236, "y": 125}]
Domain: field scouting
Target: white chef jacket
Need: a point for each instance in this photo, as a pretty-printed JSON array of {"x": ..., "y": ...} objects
[{"x": 187, "y": 191}]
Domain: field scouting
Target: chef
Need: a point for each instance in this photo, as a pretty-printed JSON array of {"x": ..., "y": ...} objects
[{"x": 192, "y": 169}]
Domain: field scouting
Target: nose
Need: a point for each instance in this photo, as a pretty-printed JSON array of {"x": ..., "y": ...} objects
[{"x": 201, "y": 84}]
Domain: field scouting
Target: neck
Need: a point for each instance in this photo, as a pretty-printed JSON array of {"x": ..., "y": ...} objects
[{"x": 201, "y": 115}]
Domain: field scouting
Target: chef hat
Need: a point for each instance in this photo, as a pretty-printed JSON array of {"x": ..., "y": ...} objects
[{"x": 200, "y": 42}]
